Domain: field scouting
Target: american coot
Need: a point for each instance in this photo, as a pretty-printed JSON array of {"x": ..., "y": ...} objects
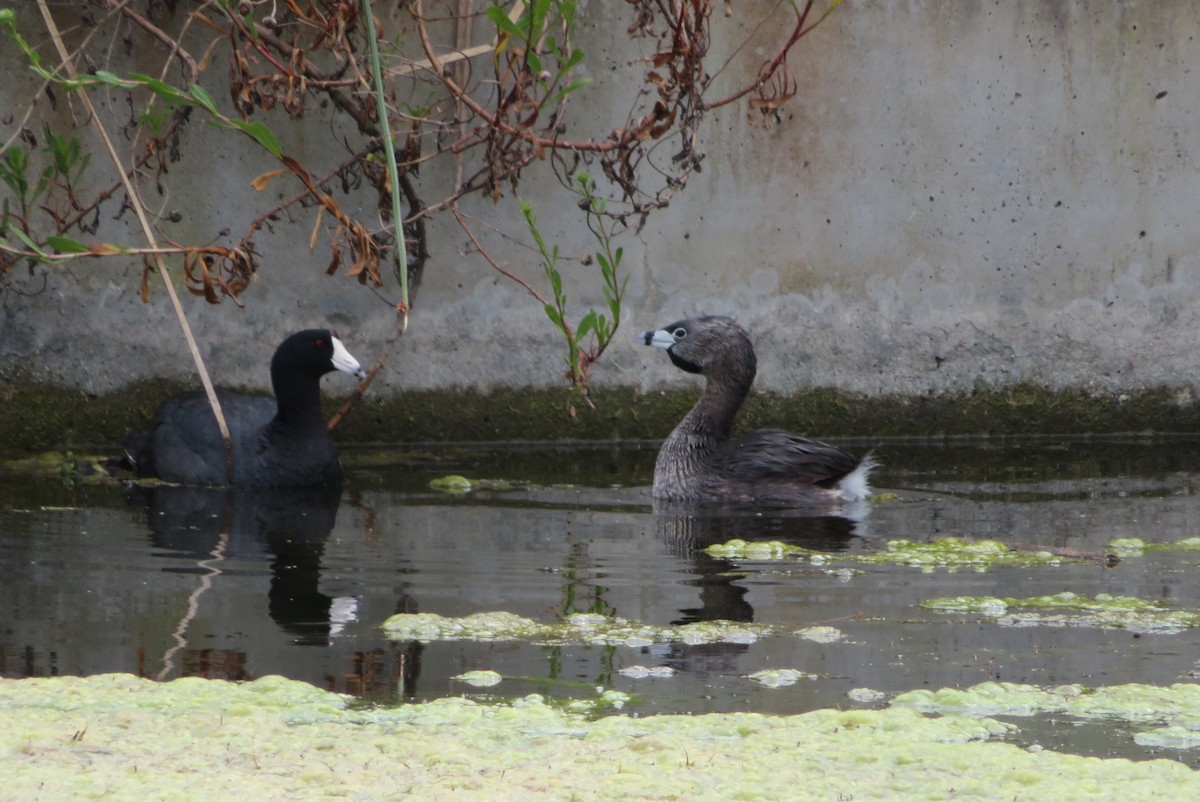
[
  {"x": 699, "y": 461},
  {"x": 280, "y": 442}
]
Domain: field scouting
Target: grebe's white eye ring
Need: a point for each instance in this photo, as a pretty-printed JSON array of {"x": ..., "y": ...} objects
[{"x": 679, "y": 333}]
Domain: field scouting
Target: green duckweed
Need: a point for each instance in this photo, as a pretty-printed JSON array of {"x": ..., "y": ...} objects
[
  {"x": 1105, "y": 611},
  {"x": 950, "y": 553},
  {"x": 578, "y": 628},
  {"x": 1135, "y": 546},
  {"x": 452, "y": 485},
  {"x": 820, "y": 634},
  {"x": 779, "y": 677},
  {"x": 1177, "y": 704},
  {"x": 119, "y": 737}
]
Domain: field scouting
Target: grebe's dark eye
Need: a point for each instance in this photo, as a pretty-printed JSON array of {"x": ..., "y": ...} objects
[{"x": 679, "y": 333}]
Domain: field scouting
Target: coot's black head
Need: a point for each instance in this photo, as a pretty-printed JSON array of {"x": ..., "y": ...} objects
[
  {"x": 314, "y": 352},
  {"x": 707, "y": 345}
]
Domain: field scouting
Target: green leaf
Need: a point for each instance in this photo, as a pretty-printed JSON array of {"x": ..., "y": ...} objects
[
  {"x": 104, "y": 76},
  {"x": 65, "y": 245},
  {"x": 155, "y": 119},
  {"x": 534, "y": 62},
  {"x": 16, "y": 158},
  {"x": 204, "y": 99},
  {"x": 30, "y": 244},
  {"x": 538, "y": 11},
  {"x": 586, "y": 324},
  {"x": 83, "y": 165},
  {"x": 499, "y": 18},
  {"x": 555, "y": 317},
  {"x": 574, "y": 59},
  {"x": 172, "y": 94},
  {"x": 569, "y": 88},
  {"x": 16, "y": 183},
  {"x": 262, "y": 135}
]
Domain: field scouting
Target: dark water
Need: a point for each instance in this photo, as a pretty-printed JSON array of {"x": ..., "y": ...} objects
[{"x": 173, "y": 582}]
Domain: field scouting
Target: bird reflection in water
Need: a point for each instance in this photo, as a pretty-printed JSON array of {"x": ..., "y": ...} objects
[
  {"x": 687, "y": 529},
  {"x": 228, "y": 531}
]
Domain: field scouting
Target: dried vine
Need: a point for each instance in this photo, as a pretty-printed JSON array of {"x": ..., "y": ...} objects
[{"x": 494, "y": 109}]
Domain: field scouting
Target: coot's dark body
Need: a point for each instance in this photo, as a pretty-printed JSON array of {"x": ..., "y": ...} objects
[{"x": 277, "y": 442}]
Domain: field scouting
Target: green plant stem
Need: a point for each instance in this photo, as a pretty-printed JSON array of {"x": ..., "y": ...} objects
[{"x": 385, "y": 131}]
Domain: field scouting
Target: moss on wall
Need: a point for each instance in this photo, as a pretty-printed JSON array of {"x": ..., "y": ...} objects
[{"x": 38, "y": 417}]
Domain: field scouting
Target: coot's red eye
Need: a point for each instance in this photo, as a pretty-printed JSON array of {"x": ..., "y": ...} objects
[{"x": 320, "y": 343}]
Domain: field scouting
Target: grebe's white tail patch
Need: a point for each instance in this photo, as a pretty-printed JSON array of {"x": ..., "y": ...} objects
[{"x": 855, "y": 485}]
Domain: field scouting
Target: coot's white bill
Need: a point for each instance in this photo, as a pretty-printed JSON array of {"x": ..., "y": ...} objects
[{"x": 343, "y": 361}]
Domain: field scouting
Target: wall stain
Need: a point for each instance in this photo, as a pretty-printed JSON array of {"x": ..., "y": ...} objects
[{"x": 38, "y": 417}]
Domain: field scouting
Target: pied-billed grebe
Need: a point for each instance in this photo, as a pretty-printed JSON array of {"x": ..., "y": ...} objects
[
  {"x": 279, "y": 442},
  {"x": 700, "y": 462}
]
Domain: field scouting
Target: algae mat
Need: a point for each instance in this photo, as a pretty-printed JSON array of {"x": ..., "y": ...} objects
[{"x": 119, "y": 737}]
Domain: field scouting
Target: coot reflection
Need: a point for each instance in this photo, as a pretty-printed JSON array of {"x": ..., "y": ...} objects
[{"x": 286, "y": 527}]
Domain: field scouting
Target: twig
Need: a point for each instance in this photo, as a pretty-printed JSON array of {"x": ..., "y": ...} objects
[
  {"x": 193, "y": 69},
  {"x": 107, "y": 249},
  {"x": 258, "y": 222},
  {"x": 140, "y": 211},
  {"x": 358, "y": 392},
  {"x": 764, "y": 75},
  {"x": 479, "y": 247}
]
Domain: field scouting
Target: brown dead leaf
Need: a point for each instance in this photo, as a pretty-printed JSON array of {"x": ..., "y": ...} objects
[
  {"x": 335, "y": 262},
  {"x": 260, "y": 182},
  {"x": 147, "y": 269},
  {"x": 312, "y": 239},
  {"x": 203, "y": 18},
  {"x": 202, "y": 65},
  {"x": 663, "y": 125}
]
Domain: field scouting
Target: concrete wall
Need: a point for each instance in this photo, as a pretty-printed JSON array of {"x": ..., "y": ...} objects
[
  {"x": 962, "y": 194},
  {"x": 966, "y": 192}
]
